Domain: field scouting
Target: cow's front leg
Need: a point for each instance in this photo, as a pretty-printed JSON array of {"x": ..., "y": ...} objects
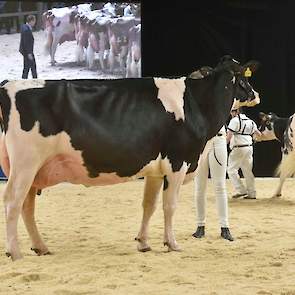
[
  {"x": 79, "y": 54},
  {"x": 122, "y": 55},
  {"x": 53, "y": 50},
  {"x": 172, "y": 185},
  {"x": 151, "y": 193},
  {"x": 14, "y": 195},
  {"x": 28, "y": 214}
]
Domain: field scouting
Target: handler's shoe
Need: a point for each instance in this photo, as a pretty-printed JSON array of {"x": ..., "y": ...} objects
[
  {"x": 225, "y": 233},
  {"x": 250, "y": 197},
  {"x": 238, "y": 195},
  {"x": 200, "y": 232}
]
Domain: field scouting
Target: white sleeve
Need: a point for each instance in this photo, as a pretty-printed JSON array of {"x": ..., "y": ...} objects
[{"x": 233, "y": 124}]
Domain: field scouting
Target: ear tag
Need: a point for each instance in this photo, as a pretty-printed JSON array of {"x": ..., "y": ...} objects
[{"x": 248, "y": 73}]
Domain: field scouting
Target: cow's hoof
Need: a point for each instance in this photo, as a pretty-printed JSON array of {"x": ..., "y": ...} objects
[
  {"x": 144, "y": 249},
  {"x": 142, "y": 245},
  {"x": 41, "y": 252},
  {"x": 173, "y": 247},
  {"x": 13, "y": 257}
]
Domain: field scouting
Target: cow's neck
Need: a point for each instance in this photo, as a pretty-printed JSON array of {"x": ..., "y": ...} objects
[{"x": 214, "y": 97}]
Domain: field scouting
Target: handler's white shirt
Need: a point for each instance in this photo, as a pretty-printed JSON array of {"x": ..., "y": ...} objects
[{"x": 243, "y": 129}]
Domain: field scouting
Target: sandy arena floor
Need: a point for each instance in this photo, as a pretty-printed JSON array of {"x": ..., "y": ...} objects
[
  {"x": 91, "y": 234},
  {"x": 66, "y": 68}
]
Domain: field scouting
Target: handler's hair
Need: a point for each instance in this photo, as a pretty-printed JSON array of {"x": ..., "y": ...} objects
[{"x": 31, "y": 17}]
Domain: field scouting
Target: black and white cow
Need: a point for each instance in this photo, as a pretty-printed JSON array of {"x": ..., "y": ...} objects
[
  {"x": 274, "y": 127},
  {"x": 101, "y": 132}
]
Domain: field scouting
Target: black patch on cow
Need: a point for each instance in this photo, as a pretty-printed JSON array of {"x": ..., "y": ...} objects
[
  {"x": 5, "y": 105},
  {"x": 120, "y": 125},
  {"x": 165, "y": 183},
  {"x": 280, "y": 126},
  {"x": 288, "y": 146}
]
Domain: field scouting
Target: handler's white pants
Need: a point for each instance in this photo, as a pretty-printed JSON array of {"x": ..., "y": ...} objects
[
  {"x": 242, "y": 157},
  {"x": 218, "y": 152}
]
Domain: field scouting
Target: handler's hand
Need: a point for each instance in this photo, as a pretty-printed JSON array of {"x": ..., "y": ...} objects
[{"x": 30, "y": 56}]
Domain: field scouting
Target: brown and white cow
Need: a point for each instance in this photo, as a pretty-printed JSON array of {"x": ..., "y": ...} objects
[
  {"x": 60, "y": 26},
  {"x": 99, "y": 132}
]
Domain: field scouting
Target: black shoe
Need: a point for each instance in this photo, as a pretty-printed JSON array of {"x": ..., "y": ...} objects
[
  {"x": 200, "y": 232},
  {"x": 250, "y": 198},
  {"x": 225, "y": 233},
  {"x": 236, "y": 196}
]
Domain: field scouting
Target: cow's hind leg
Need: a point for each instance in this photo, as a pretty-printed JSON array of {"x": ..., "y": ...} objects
[
  {"x": 14, "y": 195},
  {"x": 151, "y": 193},
  {"x": 28, "y": 211},
  {"x": 278, "y": 192},
  {"x": 170, "y": 194}
]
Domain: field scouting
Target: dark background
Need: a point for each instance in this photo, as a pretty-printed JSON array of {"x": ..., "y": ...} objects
[{"x": 180, "y": 37}]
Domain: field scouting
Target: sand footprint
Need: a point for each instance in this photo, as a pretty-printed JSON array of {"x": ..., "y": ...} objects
[
  {"x": 33, "y": 277},
  {"x": 9, "y": 275}
]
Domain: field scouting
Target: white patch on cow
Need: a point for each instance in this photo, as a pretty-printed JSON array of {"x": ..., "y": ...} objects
[
  {"x": 171, "y": 93},
  {"x": 84, "y": 8},
  {"x": 92, "y": 15},
  {"x": 79, "y": 53},
  {"x": 233, "y": 80},
  {"x": 61, "y": 12},
  {"x": 159, "y": 167},
  {"x": 287, "y": 166},
  {"x": 252, "y": 103}
]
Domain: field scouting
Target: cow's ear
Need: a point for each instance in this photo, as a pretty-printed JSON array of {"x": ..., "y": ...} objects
[
  {"x": 206, "y": 71},
  {"x": 225, "y": 58},
  {"x": 250, "y": 67}
]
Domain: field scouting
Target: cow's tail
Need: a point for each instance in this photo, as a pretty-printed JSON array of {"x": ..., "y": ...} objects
[{"x": 287, "y": 166}]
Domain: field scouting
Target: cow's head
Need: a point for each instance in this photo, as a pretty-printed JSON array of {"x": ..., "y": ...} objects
[
  {"x": 244, "y": 93},
  {"x": 266, "y": 126}
]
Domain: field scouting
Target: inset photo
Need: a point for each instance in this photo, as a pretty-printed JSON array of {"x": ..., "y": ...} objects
[{"x": 66, "y": 40}]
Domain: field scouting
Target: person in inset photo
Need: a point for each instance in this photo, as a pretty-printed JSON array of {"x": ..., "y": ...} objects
[{"x": 26, "y": 47}]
